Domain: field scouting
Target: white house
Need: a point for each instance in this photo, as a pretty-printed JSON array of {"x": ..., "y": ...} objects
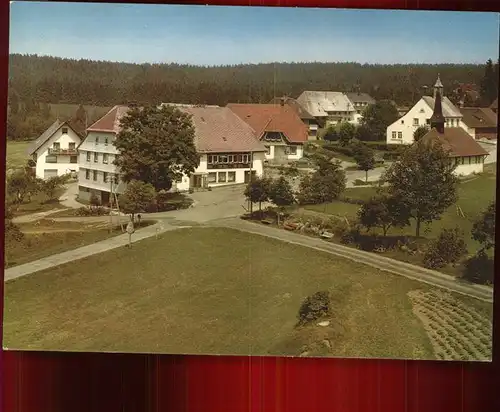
[
  {"x": 278, "y": 127},
  {"x": 360, "y": 101},
  {"x": 401, "y": 131},
  {"x": 467, "y": 154},
  {"x": 55, "y": 151},
  {"x": 329, "y": 108},
  {"x": 229, "y": 152}
]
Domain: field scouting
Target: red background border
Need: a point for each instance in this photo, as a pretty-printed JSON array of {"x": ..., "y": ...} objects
[{"x": 115, "y": 382}]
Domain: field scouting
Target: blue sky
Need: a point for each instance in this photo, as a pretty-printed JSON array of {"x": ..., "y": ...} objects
[{"x": 230, "y": 35}]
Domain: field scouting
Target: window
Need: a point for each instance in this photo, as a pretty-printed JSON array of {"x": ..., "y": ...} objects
[
  {"x": 105, "y": 158},
  {"x": 394, "y": 135},
  {"x": 96, "y": 140},
  {"x": 73, "y": 159},
  {"x": 292, "y": 150},
  {"x": 209, "y": 159},
  {"x": 268, "y": 150},
  {"x": 87, "y": 174},
  {"x": 94, "y": 177},
  {"x": 415, "y": 122},
  {"x": 179, "y": 180},
  {"x": 400, "y": 135},
  {"x": 88, "y": 156},
  {"x": 51, "y": 159},
  {"x": 72, "y": 146},
  {"x": 222, "y": 177},
  {"x": 105, "y": 177},
  {"x": 105, "y": 141},
  {"x": 231, "y": 176},
  {"x": 230, "y": 158},
  {"x": 96, "y": 157},
  {"x": 56, "y": 146},
  {"x": 239, "y": 158},
  {"x": 222, "y": 159},
  {"x": 245, "y": 158},
  {"x": 402, "y": 122},
  {"x": 64, "y": 130},
  {"x": 427, "y": 121},
  {"x": 212, "y": 177}
]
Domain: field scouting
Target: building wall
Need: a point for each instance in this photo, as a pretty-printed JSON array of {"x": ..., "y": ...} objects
[
  {"x": 404, "y": 127},
  {"x": 277, "y": 152},
  {"x": 63, "y": 162},
  {"x": 469, "y": 165}
]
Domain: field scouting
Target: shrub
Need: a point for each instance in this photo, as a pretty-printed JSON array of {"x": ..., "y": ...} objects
[
  {"x": 314, "y": 307},
  {"x": 91, "y": 211},
  {"x": 166, "y": 201},
  {"x": 448, "y": 248},
  {"x": 479, "y": 269}
]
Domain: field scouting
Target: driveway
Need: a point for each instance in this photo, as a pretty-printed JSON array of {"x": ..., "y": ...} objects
[{"x": 68, "y": 198}]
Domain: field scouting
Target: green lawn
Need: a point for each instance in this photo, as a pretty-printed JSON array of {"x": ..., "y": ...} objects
[
  {"x": 189, "y": 293},
  {"x": 46, "y": 239},
  {"x": 17, "y": 154},
  {"x": 39, "y": 204},
  {"x": 474, "y": 195}
]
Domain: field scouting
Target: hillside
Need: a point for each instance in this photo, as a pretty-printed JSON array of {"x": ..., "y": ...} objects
[{"x": 99, "y": 83}]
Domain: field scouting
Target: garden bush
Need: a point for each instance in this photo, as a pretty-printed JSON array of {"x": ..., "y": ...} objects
[
  {"x": 315, "y": 307},
  {"x": 479, "y": 269}
]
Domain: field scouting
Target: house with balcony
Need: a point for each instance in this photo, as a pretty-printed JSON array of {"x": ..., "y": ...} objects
[
  {"x": 229, "y": 152},
  {"x": 55, "y": 152},
  {"x": 328, "y": 108},
  {"x": 307, "y": 118},
  {"x": 402, "y": 130},
  {"x": 278, "y": 127}
]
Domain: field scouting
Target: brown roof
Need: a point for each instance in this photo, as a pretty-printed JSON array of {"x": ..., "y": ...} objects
[
  {"x": 47, "y": 134},
  {"x": 110, "y": 122},
  {"x": 457, "y": 141},
  {"x": 479, "y": 117},
  {"x": 294, "y": 104},
  {"x": 272, "y": 118},
  {"x": 218, "y": 129}
]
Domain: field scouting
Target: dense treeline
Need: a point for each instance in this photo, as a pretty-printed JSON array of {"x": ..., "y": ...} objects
[{"x": 35, "y": 80}]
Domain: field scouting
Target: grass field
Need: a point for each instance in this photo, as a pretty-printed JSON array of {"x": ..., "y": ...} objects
[
  {"x": 39, "y": 204},
  {"x": 189, "y": 293},
  {"x": 46, "y": 237},
  {"x": 17, "y": 154}
]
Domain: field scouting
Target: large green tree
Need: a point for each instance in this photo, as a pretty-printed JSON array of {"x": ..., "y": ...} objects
[
  {"x": 420, "y": 132},
  {"x": 489, "y": 83},
  {"x": 324, "y": 185},
  {"x": 483, "y": 229},
  {"x": 156, "y": 146},
  {"x": 365, "y": 159},
  {"x": 137, "y": 197},
  {"x": 423, "y": 180},
  {"x": 378, "y": 116}
]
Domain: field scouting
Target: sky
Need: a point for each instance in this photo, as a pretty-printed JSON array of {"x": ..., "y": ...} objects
[{"x": 208, "y": 35}]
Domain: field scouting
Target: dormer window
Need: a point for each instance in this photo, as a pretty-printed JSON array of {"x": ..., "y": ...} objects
[{"x": 64, "y": 130}]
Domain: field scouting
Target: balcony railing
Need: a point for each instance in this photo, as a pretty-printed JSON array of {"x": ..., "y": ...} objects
[{"x": 67, "y": 152}]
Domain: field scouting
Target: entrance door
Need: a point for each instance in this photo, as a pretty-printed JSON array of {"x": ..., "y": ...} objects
[{"x": 197, "y": 182}]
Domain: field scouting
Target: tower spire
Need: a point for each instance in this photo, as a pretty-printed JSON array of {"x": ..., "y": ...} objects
[
  {"x": 438, "y": 87},
  {"x": 437, "y": 118}
]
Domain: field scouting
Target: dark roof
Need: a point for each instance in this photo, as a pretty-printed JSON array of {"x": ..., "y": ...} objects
[
  {"x": 358, "y": 97},
  {"x": 437, "y": 117},
  {"x": 457, "y": 141},
  {"x": 479, "y": 117},
  {"x": 494, "y": 105},
  {"x": 110, "y": 122},
  {"x": 47, "y": 134},
  {"x": 272, "y": 118},
  {"x": 293, "y": 103}
]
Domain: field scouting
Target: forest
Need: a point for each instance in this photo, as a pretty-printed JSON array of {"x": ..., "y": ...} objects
[{"x": 36, "y": 83}]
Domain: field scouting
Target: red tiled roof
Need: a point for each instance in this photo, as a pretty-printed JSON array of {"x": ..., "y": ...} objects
[
  {"x": 477, "y": 117},
  {"x": 457, "y": 141},
  {"x": 272, "y": 118},
  {"x": 110, "y": 122},
  {"x": 218, "y": 129}
]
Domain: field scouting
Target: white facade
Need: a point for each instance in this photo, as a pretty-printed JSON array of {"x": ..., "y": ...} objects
[
  {"x": 58, "y": 155},
  {"x": 469, "y": 165},
  {"x": 284, "y": 153},
  {"x": 97, "y": 170},
  {"x": 401, "y": 131}
]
